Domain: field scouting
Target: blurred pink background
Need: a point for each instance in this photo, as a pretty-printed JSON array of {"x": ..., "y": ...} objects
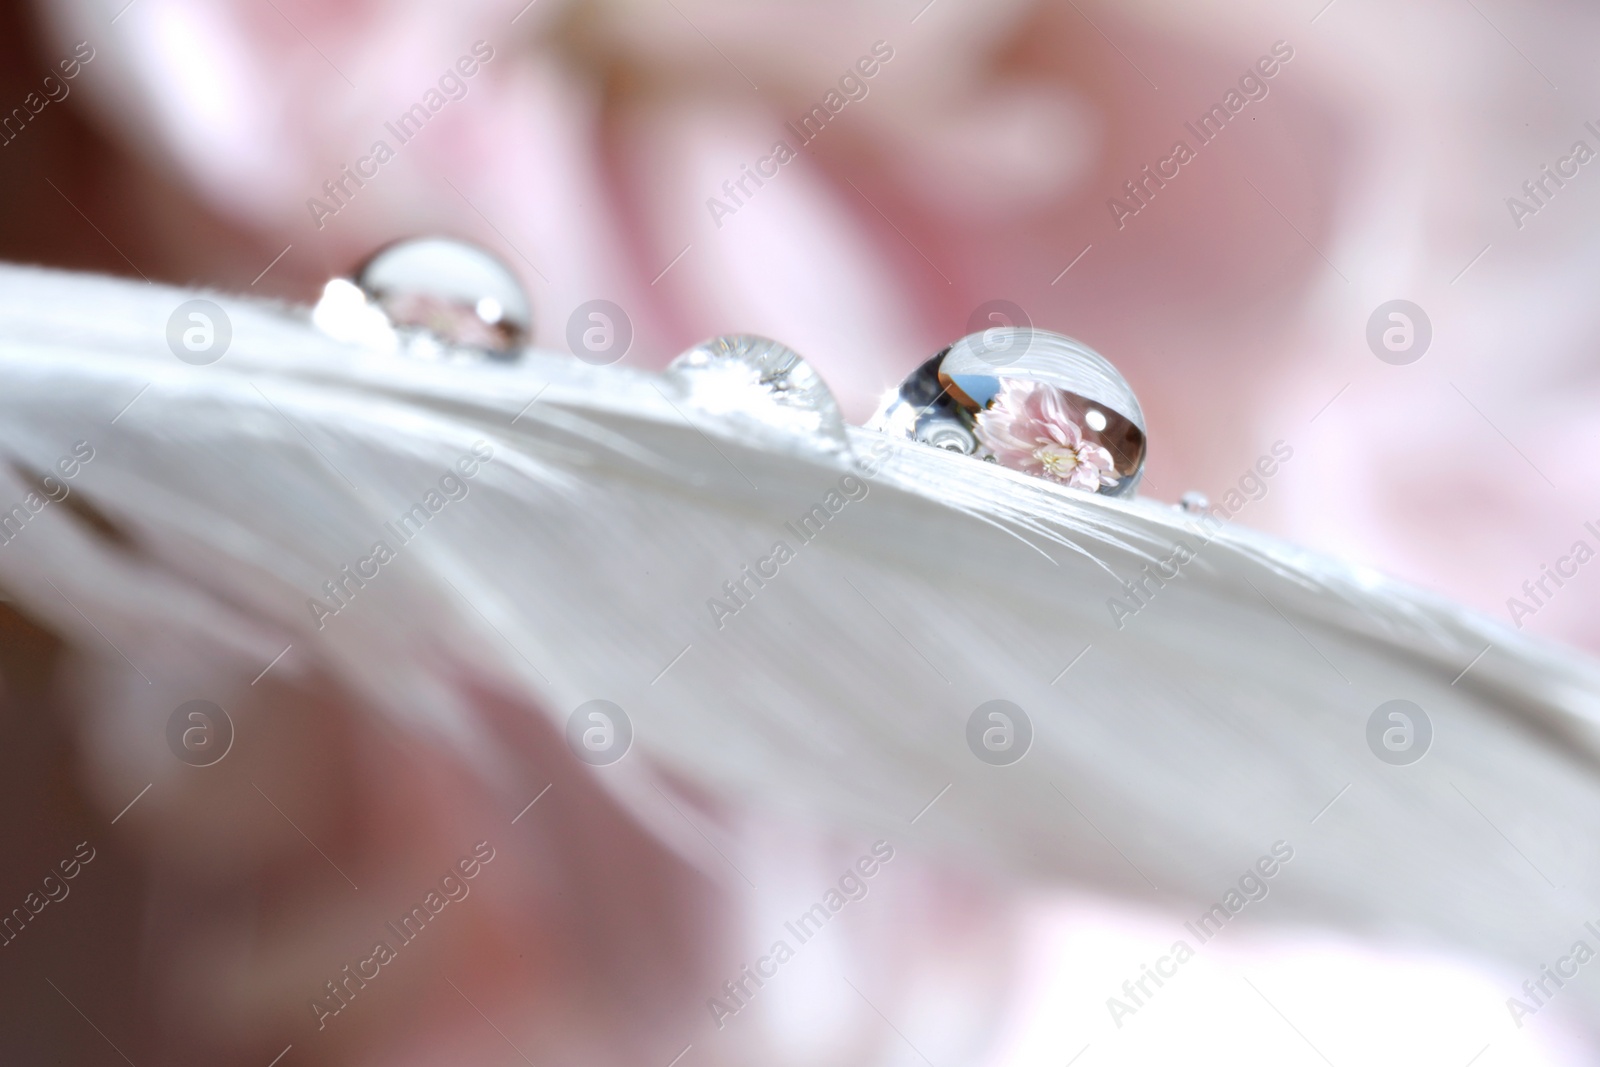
[{"x": 977, "y": 164}]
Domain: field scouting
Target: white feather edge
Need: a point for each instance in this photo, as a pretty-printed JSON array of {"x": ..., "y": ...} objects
[{"x": 1223, "y": 717}]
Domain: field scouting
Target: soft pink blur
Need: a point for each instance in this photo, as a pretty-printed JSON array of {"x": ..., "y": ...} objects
[{"x": 978, "y": 165}]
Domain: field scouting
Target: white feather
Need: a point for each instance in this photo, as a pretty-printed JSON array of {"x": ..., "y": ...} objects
[{"x": 1222, "y": 717}]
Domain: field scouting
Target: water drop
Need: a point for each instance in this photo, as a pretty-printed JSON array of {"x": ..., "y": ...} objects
[
  {"x": 762, "y": 388},
  {"x": 1046, "y": 405},
  {"x": 447, "y": 298}
]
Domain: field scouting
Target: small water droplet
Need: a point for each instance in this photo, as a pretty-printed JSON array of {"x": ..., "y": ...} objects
[
  {"x": 1049, "y": 381},
  {"x": 920, "y": 410},
  {"x": 448, "y": 298},
  {"x": 1194, "y": 502},
  {"x": 761, "y": 386}
]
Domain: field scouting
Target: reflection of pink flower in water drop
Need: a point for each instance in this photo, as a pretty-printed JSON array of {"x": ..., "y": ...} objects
[
  {"x": 1030, "y": 428},
  {"x": 458, "y": 324}
]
